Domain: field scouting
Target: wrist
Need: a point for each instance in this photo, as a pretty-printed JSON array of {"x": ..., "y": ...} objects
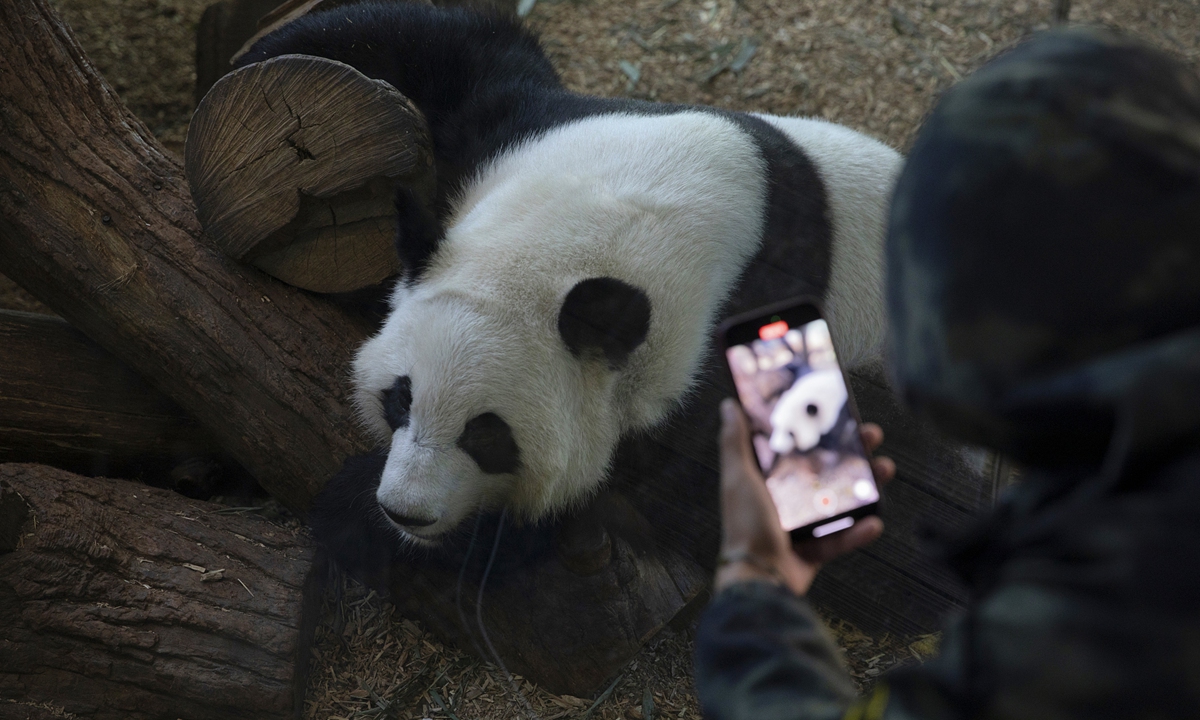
[
  {"x": 734, "y": 566},
  {"x": 741, "y": 572}
]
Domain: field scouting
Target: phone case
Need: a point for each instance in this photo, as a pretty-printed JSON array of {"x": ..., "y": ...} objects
[{"x": 796, "y": 313}]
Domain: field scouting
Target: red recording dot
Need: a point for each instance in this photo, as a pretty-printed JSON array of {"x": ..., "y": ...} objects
[{"x": 773, "y": 330}]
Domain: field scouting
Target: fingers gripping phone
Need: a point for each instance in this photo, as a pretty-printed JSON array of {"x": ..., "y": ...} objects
[{"x": 804, "y": 425}]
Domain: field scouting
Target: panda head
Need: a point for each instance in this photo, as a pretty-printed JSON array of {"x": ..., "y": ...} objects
[
  {"x": 807, "y": 410},
  {"x": 486, "y": 405}
]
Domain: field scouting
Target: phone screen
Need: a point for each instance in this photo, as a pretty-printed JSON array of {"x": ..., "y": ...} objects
[{"x": 803, "y": 429}]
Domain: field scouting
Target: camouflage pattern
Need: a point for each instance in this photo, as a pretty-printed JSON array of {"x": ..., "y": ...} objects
[
  {"x": 1044, "y": 289},
  {"x": 1083, "y": 608},
  {"x": 1043, "y": 251}
]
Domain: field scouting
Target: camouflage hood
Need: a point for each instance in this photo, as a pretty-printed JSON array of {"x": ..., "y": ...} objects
[{"x": 1044, "y": 252}]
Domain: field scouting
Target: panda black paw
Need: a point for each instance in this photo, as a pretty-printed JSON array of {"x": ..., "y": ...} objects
[{"x": 349, "y": 523}]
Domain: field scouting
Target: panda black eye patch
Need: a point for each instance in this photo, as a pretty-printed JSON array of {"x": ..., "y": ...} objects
[
  {"x": 489, "y": 441},
  {"x": 396, "y": 402}
]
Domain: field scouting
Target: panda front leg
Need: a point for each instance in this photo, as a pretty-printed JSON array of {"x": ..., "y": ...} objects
[{"x": 349, "y": 523}]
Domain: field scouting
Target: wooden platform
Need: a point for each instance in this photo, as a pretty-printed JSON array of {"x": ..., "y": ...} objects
[
  {"x": 895, "y": 586},
  {"x": 572, "y": 632},
  {"x": 891, "y": 587}
]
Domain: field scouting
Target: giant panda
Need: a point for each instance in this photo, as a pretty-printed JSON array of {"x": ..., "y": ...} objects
[
  {"x": 560, "y": 292},
  {"x": 808, "y": 411}
]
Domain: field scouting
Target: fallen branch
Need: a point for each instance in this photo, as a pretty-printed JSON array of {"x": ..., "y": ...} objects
[
  {"x": 96, "y": 221},
  {"x": 66, "y": 402}
]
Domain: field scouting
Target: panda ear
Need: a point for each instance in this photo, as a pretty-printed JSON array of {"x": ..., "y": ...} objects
[
  {"x": 418, "y": 232},
  {"x": 606, "y": 316}
]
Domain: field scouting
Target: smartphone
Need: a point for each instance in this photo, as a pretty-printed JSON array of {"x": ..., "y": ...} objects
[{"x": 804, "y": 425}]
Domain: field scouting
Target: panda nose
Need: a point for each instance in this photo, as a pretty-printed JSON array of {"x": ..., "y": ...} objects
[
  {"x": 405, "y": 521},
  {"x": 812, "y": 409}
]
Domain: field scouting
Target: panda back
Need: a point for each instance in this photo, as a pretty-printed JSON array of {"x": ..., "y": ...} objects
[
  {"x": 857, "y": 174},
  {"x": 672, "y": 204}
]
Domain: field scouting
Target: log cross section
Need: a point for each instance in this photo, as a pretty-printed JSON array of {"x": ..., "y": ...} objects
[{"x": 294, "y": 162}]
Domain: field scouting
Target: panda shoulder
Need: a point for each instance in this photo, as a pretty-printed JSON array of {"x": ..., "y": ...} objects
[{"x": 843, "y": 157}]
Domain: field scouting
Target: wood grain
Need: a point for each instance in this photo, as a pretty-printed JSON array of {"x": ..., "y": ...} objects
[
  {"x": 105, "y": 609},
  {"x": 294, "y": 163},
  {"x": 97, "y": 222},
  {"x": 65, "y": 401}
]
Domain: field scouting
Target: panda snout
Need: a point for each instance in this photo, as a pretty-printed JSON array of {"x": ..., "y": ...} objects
[{"x": 404, "y": 520}]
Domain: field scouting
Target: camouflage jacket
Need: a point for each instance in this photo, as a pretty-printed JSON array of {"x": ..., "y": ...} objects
[{"x": 1085, "y": 605}]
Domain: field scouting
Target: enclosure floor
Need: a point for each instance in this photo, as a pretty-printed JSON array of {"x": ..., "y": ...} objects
[{"x": 874, "y": 66}]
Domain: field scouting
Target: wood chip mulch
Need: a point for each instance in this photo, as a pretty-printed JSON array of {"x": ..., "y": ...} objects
[{"x": 371, "y": 663}]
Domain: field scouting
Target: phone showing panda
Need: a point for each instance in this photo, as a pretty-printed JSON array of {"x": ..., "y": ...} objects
[{"x": 804, "y": 425}]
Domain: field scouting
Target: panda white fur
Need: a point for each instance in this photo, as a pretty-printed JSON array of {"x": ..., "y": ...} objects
[
  {"x": 562, "y": 291},
  {"x": 807, "y": 410}
]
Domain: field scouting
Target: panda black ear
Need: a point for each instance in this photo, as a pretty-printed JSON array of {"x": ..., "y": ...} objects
[
  {"x": 606, "y": 316},
  {"x": 418, "y": 233}
]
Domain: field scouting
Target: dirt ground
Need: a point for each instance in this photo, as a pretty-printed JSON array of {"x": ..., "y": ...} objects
[{"x": 875, "y": 66}]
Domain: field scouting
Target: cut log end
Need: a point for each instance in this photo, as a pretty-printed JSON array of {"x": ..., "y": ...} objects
[{"x": 293, "y": 163}]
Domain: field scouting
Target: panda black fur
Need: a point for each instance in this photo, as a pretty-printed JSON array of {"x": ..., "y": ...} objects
[
  {"x": 561, "y": 292},
  {"x": 814, "y": 413}
]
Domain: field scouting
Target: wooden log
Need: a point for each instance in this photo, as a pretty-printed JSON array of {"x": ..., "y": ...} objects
[
  {"x": 566, "y": 603},
  {"x": 294, "y": 164},
  {"x": 64, "y": 401},
  {"x": 96, "y": 221},
  {"x": 13, "y": 710},
  {"x": 123, "y": 601}
]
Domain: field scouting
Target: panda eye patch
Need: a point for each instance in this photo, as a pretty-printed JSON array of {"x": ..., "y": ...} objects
[
  {"x": 396, "y": 402},
  {"x": 489, "y": 441},
  {"x": 812, "y": 409}
]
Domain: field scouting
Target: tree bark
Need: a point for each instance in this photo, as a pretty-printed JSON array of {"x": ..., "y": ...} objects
[
  {"x": 66, "y": 402},
  {"x": 96, "y": 221},
  {"x": 24, "y": 711},
  {"x": 122, "y": 601}
]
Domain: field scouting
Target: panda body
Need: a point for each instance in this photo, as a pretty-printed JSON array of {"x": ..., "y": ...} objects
[{"x": 562, "y": 291}]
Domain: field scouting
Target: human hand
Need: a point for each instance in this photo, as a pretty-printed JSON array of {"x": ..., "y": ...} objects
[{"x": 752, "y": 539}]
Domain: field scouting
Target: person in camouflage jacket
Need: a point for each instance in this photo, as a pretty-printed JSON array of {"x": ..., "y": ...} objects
[{"x": 1044, "y": 294}]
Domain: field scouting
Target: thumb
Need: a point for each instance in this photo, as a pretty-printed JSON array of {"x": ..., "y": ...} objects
[{"x": 735, "y": 441}]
